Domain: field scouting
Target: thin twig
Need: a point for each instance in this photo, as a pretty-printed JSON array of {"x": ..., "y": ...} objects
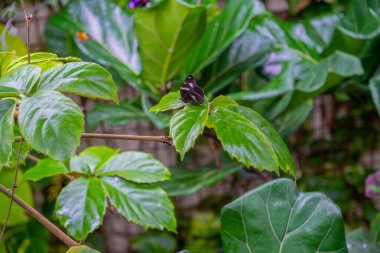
[
  {"x": 163, "y": 139},
  {"x": 14, "y": 186},
  {"x": 39, "y": 217},
  {"x": 28, "y": 19},
  {"x": 33, "y": 158}
]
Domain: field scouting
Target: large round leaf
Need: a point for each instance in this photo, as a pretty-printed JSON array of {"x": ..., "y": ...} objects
[
  {"x": 82, "y": 78},
  {"x": 145, "y": 205},
  {"x": 7, "y": 107},
  {"x": 51, "y": 123},
  {"x": 186, "y": 125},
  {"x": 243, "y": 140},
  {"x": 22, "y": 79},
  {"x": 276, "y": 218},
  {"x": 138, "y": 167},
  {"x": 166, "y": 33},
  {"x": 81, "y": 206}
]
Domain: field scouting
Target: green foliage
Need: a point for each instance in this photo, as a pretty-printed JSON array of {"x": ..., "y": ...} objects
[
  {"x": 170, "y": 101},
  {"x": 187, "y": 181},
  {"x": 7, "y": 107},
  {"x": 154, "y": 242},
  {"x": 105, "y": 174},
  {"x": 166, "y": 34},
  {"x": 45, "y": 168},
  {"x": 82, "y": 249},
  {"x": 12, "y": 42},
  {"x": 277, "y": 218}
]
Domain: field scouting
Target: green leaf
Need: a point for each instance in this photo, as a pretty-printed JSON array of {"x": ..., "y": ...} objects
[
  {"x": 23, "y": 191},
  {"x": 41, "y": 59},
  {"x": 12, "y": 42},
  {"x": 243, "y": 140},
  {"x": 249, "y": 50},
  {"x": 281, "y": 84},
  {"x": 6, "y": 92},
  {"x": 160, "y": 120},
  {"x": 170, "y": 101},
  {"x": 154, "y": 241},
  {"x": 187, "y": 181},
  {"x": 358, "y": 242},
  {"x": 222, "y": 101},
  {"x": 7, "y": 107},
  {"x": 186, "y": 125},
  {"x": 110, "y": 30},
  {"x": 81, "y": 206},
  {"x": 146, "y": 205},
  {"x": 91, "y": 159},
  {"x": 284, "y": 157},
  {"x": 292, "y": 118},
  {"x": 81, "y": 78},
  {"x": 82, "y": 249},
  {"x": 222, "y": 31},
  {"x": 45, "y": 168},
  {"x": 329, "y": 72},
  {"x": 374, "y": 86},
  {"x": 166, "y": 34},
  {"x": 51, "y": 123},
  {"x": 135, "y": 166},
  {"x": 115, "y": 115},
  {"x": 374, "y": 229},
  {"x": 5, "y": 61},
  {"x": 23, "y": 79},
  {"x": 277, "y": 218}
]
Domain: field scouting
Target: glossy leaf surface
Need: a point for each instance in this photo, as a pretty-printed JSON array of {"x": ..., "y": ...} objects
[
  {"x": 81, "y": 78},
  {"x": 81, "y": 206},
  {"x": 45, "y": 168},
  {"x": 51, "y": 123},
  {"x": 166, "y": 33},
  {"x": 7, "y": 107},
  {"x": 277, "y": 218},
  {"x": 145, "y": 205},
  {"x": 186, "y": 125},
  {"x": 135, "y": 166},
  {"x": 243, "y": 140}
]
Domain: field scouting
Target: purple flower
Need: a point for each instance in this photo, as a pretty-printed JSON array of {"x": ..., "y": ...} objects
[
  {"x": 372, "y": 185},
  {"x": 139, "y": 3}
]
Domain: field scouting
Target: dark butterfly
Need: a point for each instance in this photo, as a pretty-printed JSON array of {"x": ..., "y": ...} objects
[
  {"x": 191, "y": 93},
  {"x": 139, "y": 3}
]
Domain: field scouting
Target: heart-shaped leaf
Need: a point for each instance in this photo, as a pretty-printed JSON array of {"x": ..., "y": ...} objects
[
  {"x": 138, "y": 167},
  {"x": 186, "y": 125},
  {"x": 82, "y": 78},
  {"x": 145, "y": 205},
  {"x": 51, "y": 123},
  {"x": 81, "y": 206},
  {"x": 276, "y": 218}
]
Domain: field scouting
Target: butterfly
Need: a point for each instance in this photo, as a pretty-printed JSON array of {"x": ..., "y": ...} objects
[{"x": 191, "y": 93}]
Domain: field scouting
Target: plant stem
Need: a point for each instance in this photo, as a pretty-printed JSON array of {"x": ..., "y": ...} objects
[
  {"x": 28, "y": 19},
  {"x": 40, "y": 218},
  {"x": 164, "y": 139},
  {"x": 14, "y": 186}
]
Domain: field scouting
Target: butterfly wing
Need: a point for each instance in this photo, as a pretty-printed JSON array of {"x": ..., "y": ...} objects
[{"x": 190, "y": 91}]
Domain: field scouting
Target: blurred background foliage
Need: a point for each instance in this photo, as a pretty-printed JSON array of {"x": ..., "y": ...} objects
[{"x": 310, "y": 67}]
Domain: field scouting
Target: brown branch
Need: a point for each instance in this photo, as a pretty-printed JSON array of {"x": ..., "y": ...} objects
[
  {"x": 164, "y": 139},
  {"x": 28, "y": 19},
  {"x": 40, "y": 218},
  {"x": 14, "y": 186}
]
